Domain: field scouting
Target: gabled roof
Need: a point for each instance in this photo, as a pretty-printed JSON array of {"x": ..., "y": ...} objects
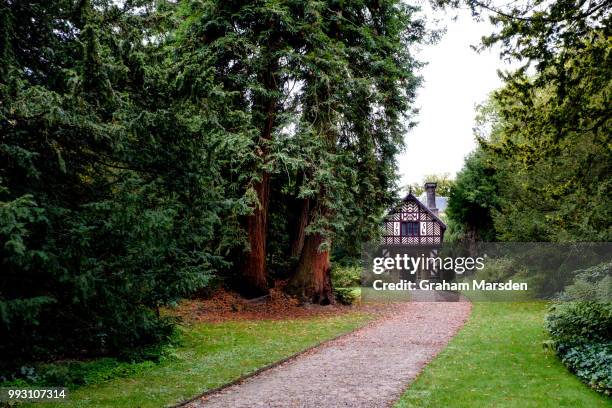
[{"x": 410, "y": 197}]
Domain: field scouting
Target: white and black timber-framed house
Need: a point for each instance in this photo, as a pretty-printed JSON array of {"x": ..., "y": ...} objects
[{"x": 413, "y": 223}]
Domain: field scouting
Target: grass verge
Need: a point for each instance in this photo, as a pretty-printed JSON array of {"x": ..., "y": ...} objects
[
  {"x": 210, "y": 355},
  {"x": 497, "y": 360}
]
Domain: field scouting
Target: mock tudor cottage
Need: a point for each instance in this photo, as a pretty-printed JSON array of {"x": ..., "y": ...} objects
[{"x": 413, "y": 223}]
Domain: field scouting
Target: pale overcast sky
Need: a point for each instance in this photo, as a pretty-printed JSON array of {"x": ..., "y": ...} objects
[{"x": 456, "y": 79}]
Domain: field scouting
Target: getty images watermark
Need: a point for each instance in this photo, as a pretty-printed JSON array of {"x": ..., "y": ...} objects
[
  {"x": 481, "y": 271},
  {"x": 430, "y": 268}
]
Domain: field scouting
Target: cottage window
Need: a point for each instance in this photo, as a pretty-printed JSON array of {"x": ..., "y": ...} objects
[{"x": 410, "y": 229}]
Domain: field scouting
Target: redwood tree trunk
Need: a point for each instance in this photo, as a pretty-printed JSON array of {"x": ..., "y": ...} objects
[
  {"x": 312, "y": 280},
  {"x": 254, "y": 277},
  {"x": 298, "y": 228},
  {"x": 254, "y": 273}
]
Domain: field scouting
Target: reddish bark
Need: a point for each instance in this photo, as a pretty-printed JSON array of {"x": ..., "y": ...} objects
[
  {"x": 254, "y": 275},
  {"x": 312, "y": 280},
  {"x": 298, "y": 228},
  {"x": 254, "y": 272}
]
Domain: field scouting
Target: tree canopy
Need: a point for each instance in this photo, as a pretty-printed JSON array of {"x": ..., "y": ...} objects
[
  {"x": 443, "y": 181},
  {"x": 546, "y": 143},
  {"x": 149, "y": 149}
]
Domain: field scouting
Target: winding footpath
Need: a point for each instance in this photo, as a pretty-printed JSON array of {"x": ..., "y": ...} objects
[{"x": 370, "y": 367}]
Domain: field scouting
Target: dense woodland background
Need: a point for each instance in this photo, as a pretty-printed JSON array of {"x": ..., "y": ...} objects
[{"x": 151, "y": 150}]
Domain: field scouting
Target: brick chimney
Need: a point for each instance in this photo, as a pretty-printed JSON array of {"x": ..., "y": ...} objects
[{"x": 430, "y": 189}]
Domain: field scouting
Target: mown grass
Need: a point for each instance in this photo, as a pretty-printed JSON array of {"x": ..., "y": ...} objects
[
  {"x": 497, "y": 360},
  {"x": 211, "y": 355}
]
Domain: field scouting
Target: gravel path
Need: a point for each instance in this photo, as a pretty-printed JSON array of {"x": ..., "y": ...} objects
[{"x": 368, "y": 368}]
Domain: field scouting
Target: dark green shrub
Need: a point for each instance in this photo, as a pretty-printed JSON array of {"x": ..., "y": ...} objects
[
  {"x": 580, "y": 322},
  {"x": 592, "y": 362},
  {"x": 581, "y": 328},
  {"x": 591, "y": 284},
  {"x": 74, "y": 373},
  {"x": 111, "y": 197},
  {"x": 582, "y": 337}
]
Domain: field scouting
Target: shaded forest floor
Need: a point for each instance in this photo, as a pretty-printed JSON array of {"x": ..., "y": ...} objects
[{"x": 224, "y": 305}]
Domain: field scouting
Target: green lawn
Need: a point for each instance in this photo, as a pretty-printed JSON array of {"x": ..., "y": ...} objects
[
  {"x": 211, "y": 355},
  {"x": 497, "y": 360}
]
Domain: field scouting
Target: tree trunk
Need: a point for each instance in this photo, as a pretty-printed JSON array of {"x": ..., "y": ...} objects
[
  {"x": 471, "y": 238},
  {"x": 254, "y": 272},
  {"x": 312, "y": 280},
  {"x": 298, "y": 228},
  {"x": 254, "y": 277}
]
